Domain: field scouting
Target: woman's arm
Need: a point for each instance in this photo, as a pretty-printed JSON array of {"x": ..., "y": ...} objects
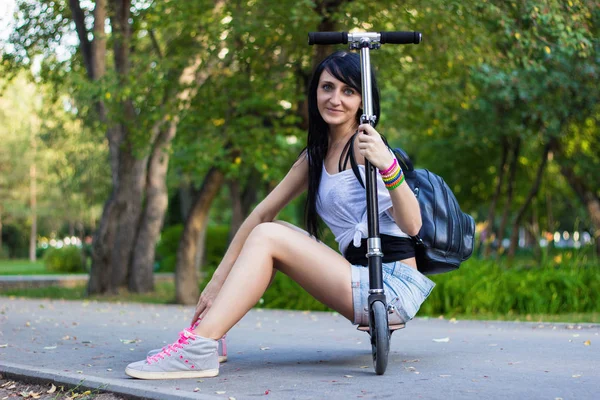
[
  {"x": 405, "y": 206},
  {"x": 292, "y": 185}
]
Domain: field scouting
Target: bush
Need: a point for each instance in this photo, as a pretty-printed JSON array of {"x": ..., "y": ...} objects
[
  {"x": 66, "y": 259},
  {"x": 482, "y": 287},
  {"x": 4, "y": 252},
  {"x": 16, "y": 238},
  {"x": 166, "y": 250}
]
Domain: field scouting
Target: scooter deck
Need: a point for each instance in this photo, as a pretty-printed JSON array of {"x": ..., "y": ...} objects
[{"x": 365, "y": 328}]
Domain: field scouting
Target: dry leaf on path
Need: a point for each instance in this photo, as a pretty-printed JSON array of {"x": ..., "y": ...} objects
[
  {"x": 52, "y": 389},
  {"x": 587, "y": 343},
  {"x": 220, "y": 392},
  {"x": 442, "y": 340},
  {"x": 129, "y": 341},
  {"x": 265, "y": 348}
]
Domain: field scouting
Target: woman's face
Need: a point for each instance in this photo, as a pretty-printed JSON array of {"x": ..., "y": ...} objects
[{"x": 338, "y": 103}]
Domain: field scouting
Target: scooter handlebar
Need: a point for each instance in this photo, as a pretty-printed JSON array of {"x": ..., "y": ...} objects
[
  {"x": 397, "y": 37},
  {"x": 327, "y": 37}
]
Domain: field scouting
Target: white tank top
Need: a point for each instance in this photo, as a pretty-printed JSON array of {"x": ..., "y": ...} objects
[{"x": 342, "y": 205}]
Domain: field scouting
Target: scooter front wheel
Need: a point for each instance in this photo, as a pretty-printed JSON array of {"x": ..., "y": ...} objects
[{"x": 380, "y": 336}]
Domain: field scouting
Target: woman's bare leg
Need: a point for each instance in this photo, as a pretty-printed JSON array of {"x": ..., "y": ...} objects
[{"x": 321, "y": 271}]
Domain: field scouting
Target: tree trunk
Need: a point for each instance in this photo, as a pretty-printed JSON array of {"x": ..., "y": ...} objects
[
  {"x": 33, "y": 215},
  {"x": 512, "y": 174},
  {"x": 186, "y": 276},
  {"x": 130, "y": 193},
  {"x": 588, "y": 197},
  {"x": 101, "y": 270},
  {"x": 532, "y": 193},
  {"x": 486, "y": 235},
  {"x": 237, "y": 217},
  {"x": 141, "y": 279}
]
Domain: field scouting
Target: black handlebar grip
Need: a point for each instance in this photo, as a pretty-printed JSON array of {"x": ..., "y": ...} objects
[
  {"x": 327, "y": 37},
  {"x": 400, "y": 37}
]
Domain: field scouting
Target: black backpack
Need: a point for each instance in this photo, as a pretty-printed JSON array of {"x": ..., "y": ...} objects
[{"x": 447, "y": 235}]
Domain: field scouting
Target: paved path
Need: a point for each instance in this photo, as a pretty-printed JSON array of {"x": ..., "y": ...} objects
[{"x": 301, "y": 355}]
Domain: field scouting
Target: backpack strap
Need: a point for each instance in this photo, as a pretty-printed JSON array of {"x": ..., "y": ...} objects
[{"x": 404, "y": 160}]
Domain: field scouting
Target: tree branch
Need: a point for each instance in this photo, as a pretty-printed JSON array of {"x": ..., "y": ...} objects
[{"x": 82, "y": 33}]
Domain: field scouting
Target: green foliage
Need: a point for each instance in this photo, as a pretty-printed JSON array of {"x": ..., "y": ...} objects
[
  {"x": 481, "y": 287},
  {"x": 4, "y": 252},
  {"x": 216, "y": 244},
  {"x": 16, "y": 238},
  {"x": 166, "y": 250},
  {"x": 66, "y": 259}
]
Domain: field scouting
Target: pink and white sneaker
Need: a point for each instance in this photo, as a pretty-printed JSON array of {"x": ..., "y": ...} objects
[
  {"x": 222, "y": 346},
  {"x": 191, "y": 356}
]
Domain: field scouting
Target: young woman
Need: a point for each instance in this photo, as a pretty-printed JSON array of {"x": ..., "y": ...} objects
[{"x": 262, "y": 247}]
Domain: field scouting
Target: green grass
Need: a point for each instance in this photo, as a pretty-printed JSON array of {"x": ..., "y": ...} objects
[
  {"x": 25, "y": 267},
  {"x": 22, "y": 267},
  {"x": 589, "y": 317},
  {"x": 165, "y": 294}
]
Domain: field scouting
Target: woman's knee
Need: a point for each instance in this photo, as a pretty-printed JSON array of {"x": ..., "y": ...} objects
[{"x": 266, "y": 232}]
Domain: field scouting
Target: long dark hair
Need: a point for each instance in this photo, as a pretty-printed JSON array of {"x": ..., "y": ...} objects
[{"x": 344, "y": 66}]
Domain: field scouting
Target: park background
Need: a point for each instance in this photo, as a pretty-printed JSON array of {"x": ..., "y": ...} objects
[{"x": 137, "y": 135}]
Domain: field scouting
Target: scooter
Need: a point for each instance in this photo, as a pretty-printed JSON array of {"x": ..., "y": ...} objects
[{"x": 379, "y": 328}]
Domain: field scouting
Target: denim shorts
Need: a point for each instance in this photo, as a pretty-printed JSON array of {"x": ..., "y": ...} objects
[{"x": 405, "y": 290}]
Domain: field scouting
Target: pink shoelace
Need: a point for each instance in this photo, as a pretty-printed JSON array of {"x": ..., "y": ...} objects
[{"x": 184, "y": 339}]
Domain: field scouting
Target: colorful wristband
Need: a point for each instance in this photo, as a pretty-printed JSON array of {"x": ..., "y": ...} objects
[
  {"x": 390, "y": 169},
  {"x": 394, "y": 186}
]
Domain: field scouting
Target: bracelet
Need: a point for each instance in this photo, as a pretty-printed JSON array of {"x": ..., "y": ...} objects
[
  {"x": 390, "y": 169},
  {"x": 394, "y": 186},
  {"x": 394, "y": 177}
]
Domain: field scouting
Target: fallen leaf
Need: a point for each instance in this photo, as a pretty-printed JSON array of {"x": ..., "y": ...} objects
[
  {"x": 442, "y": 340},
  {"x": 52, "y": 389},
  {"x": 11, "y": 387},
  {"x": 453, "y": 321},
  {"x": 109, "y": 369},
  {"x": 587, "y": 343},
  {"x": 348, "y": 376},
  {"x": 220, "y": 392},
  {"x": 49, "y": 347},
  {"x": 265, "y": 348},
  {"x": 34, "y": 395},
  {"x": 3, "y": 345},
  {"x": 576, "y": 376},
  {"x": 231, "y": 398},
  {"x": 196, "y": 389},
  {"x": 129, "y": 341},
  {"x": 6, "y": 384},
  {"x": 364, "y": 366}
]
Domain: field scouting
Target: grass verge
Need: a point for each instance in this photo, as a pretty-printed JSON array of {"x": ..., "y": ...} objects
[{"x": 165, "y": 293}]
